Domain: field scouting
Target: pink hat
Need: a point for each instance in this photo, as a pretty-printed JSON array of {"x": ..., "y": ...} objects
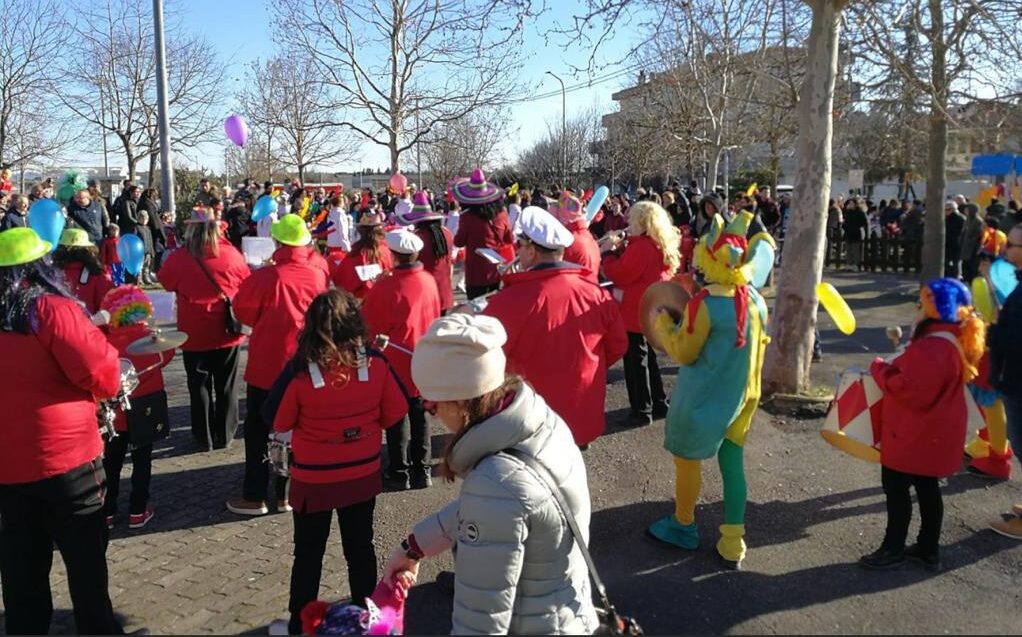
[
  {"x": 421, "y": 211},
  {"x": 568, "y": 208},
  {"x": 475, "y": 190},
  {"x": 201, "y": 214}
]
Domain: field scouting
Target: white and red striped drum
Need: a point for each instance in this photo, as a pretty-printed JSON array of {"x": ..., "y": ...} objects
[{"x": 853, "y": 420}]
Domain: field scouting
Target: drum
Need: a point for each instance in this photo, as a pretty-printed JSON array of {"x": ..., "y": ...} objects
[
  {"x": 278, "y": 454},
  {"x": 853, "y": 420},
  {"x": 129, "y": 377}
]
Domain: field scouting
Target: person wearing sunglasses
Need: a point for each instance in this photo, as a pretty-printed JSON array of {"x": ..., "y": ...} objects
[
  {"x": 515, "y": 573},
  {"x": 560, "y": 325}
]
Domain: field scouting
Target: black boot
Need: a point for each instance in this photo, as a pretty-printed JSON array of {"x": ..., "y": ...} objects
[{"x": 882, "y": 559}]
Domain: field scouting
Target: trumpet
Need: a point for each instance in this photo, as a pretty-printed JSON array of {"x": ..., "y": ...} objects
[
  {"x": 510, "y": 266},
  {"x": 613, "y": 237}
]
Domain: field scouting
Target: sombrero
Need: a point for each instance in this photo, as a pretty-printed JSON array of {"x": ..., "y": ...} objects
[
  {"x": 420, "y": 211},
  {"x": 475, "y": 190},
  {"x": 371, "y": 219}
]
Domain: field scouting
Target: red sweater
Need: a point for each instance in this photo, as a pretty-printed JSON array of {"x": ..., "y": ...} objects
[
  {"x": 402, "y": 306},
  {"x": 640, "y": 266},
  {"x": 584, "y": 251},
  {"x": 201, "y": 313},
  {"x": 345, "y": 276},
  {"x": 441, "y": 268},
  {"x": 563, "y": 332},
  {"x": 149, "y": 382},
  {"x": 475, "y": 232},
  {"x": 339, "y": 423},
  {"x": 49, "y": 425},
  {"x": 273, "y": 302},
  {"x": 90, "y": 293},
  {"x": 923, "y": 411}
]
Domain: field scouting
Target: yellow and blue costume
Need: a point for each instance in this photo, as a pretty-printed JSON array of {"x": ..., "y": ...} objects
[{"x": 720, "y": 345}]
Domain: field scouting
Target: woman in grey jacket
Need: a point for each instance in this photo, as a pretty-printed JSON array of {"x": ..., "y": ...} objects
[{"x": 517, "y": 567}]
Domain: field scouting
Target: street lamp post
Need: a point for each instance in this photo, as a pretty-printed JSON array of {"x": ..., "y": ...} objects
[
  {"x": 163, "y": 115},
  {"x": 564, "y": 131}
]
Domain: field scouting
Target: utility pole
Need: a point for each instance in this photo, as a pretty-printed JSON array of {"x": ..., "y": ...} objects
[
  {"x": 163, "y": 116},
  {"x": 564, "y": 131}
]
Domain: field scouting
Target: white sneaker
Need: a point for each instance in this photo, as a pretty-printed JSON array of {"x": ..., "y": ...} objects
[{"x": 278, "y": 627}]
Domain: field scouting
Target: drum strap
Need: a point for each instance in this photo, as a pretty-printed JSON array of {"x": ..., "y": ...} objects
[
  {"x": 363, "y": 365},
  {"x": 84, "y": 277},
  {"x": 317, "y": 376}
]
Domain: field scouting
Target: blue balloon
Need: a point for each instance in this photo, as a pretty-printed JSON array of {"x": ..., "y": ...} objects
[
  {"x": 47, "y": 219},
  {"x": 762, "y": 261},
  {"x": 264, "y": 207},
  {"x": 596, "y": 202},
  {"x": 132, "y": 252},
  {"x": 1002, "y": 275}
]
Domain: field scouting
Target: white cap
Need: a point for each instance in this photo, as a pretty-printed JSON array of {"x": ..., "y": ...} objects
[
  {"x": 403, "y": 242},
  {"x": 543, "y": 228}
]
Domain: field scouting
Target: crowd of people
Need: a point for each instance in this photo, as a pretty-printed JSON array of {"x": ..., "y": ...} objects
[{"x": 354, "y": 337}]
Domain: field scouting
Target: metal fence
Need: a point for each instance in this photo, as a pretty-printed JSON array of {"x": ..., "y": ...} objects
[{"x": 880, "y": 254}]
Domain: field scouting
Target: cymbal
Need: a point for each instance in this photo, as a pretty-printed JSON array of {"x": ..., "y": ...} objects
[
  {"x": 157, "y": 342},
  {"x": 670, "y": 295}
]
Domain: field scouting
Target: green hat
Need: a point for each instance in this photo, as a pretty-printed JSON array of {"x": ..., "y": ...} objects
[
  {"x": 291, "y": 231},
  {"x": 75, "y": 238},
  {"x": 21, "y": 245}
]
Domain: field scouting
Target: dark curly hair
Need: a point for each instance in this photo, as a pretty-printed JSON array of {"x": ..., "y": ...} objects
[
  {"x": 486, "y": 211},
  {"x": 87, "y": 256},
  {"x": 20, "y": 287},
  {"x": 333, "y": 331}
]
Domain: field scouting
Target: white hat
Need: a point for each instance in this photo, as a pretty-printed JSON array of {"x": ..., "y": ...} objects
[
  {"x": 403, "y": 242},
  {"x": 543, "y": 228},
  {"x": 460, "y": 357}
]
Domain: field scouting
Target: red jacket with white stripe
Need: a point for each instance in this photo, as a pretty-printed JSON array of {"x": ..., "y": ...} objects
[
  {"x": 53, "y": 379},
  {"x": 91, "y": 292}
]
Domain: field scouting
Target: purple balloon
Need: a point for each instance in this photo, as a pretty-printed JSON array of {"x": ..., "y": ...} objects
[{"x": 236, "y": 129}]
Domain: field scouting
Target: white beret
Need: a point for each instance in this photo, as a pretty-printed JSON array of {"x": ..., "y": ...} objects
[
  {"x": 403, "y": 242},
  {"x": 543, "y": 228}
]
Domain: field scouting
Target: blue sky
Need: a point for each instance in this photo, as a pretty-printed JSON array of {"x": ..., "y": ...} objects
[{"x": 240, "y": 31}]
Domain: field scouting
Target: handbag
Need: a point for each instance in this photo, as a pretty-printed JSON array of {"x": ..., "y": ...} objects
[
  {"x": 148, "y": 419},
  {"x": 611, "y": 623},
  {"x": 232, "y": 324}
]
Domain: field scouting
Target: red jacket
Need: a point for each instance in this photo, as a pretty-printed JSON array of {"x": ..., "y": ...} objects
[
  {"x": 402, "y": 306},
  {"x": 923, "y": 411},
  {"x": 345, "y": 276},
  {"x": 339, "y": 423},
  {"x": 49, "y": 425},
  {"x": 441, "y": 268},
  {"x": 92, "y": 291},
  {"x": 108, "y": 252},
  {"x": 475, "y": 232},
  {"x": 201, "y": 313},
  {"x": 640, "y": 266},
  {"x": 149, "y": 382},
  {"x": 273, "y": 302},
  {"x": 563, "y": 332},
  {"x": 584, "y": 251}
]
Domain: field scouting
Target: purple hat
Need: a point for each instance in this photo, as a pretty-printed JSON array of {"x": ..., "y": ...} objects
[
  {"x": 420, "y": 211},
  {"x": 475, "y": 190}
]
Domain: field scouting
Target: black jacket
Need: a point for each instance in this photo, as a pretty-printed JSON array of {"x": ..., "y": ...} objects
[
  {"x": 953, "y": 225},
  {"x": 147, "y": 238},
  {"x": 88, "y": 218},
  {"x": 127, "y": 216},
  {"x": 13, "y": 220},
  {"x": 1006, "y": 347},
  {"x": 856, "y": 224}
]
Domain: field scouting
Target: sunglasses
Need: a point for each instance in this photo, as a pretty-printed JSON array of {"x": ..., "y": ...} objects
[{"x": 429, "y": 406}]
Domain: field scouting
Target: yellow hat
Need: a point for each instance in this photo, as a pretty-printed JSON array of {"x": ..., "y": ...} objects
[
  {"x": 75, "y": 238},
  {"x": 21, "y": 245},
  {"x": 291, "y": 231}
]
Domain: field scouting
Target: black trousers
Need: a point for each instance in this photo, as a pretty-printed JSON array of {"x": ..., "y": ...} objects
[
  {"x": 408, "y": 441},
  {"x": 312, "y": 530},
  {"x": 257, "y": 470},
  {"x": 642, "y": 376},
  {"x": 473, "y": 291},
  {"x": 141, "y": 474},
  {"x": 899, "y": 509},
  {"x": 212, "y": 376},
  {"x": 66, "y": 510}
]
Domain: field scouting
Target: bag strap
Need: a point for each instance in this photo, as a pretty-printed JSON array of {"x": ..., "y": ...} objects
[
  {"x": 202, "y": 266},
  {"x": 544, "y": 476}
]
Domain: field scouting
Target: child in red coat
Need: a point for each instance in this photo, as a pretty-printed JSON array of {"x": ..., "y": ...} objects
[
  {"x": 108, "y": 255},
  {"x": 129, "y": 309},
  {"x": 923, "y": 419}
]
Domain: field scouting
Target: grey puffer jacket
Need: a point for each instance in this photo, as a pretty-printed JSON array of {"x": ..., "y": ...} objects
[{"x": 517, "y": 568}]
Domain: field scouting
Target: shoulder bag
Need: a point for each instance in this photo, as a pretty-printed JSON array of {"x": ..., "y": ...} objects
[{"x": 232, "y": 324}]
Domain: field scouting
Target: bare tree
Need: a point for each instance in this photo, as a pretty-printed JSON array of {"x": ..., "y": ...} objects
[
  {"x": 541, "y": 163},
  {"x": 31, "y": 40},
  {"x": 455, "y": 148},
  {"x": 406, "y": 67},
  {"x": 303, "y": 123},
  {"x": 965, "y": 50},
  {"x": 111, "y": 79}
]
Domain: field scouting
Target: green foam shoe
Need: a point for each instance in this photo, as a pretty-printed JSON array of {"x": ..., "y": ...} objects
[{"x": 667, "y": 529}]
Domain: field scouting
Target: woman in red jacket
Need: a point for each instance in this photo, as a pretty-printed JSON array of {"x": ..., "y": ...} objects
[
  {"x": 273, "y": 302},
  {"x": 369, "y": 250},
  {"x": 923, "y": 419},
  {"x": 584, "y": 250},
  {"x": 130, "y": 309},
  {"x": 79, "y": 259},
  {"x": 483, "y": 224},
  {"x": 51, "y": 478},
  {"x": 438, "y": 245},
  {"x": 649, "y": 255},
  {"x": 204, "y": 274},
  {"x": 336, "y": 397}
]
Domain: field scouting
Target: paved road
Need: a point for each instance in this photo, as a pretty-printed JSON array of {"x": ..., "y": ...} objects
[{"x": 812, "y": 513}]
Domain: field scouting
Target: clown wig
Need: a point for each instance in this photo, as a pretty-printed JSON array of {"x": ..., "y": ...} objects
[
  {"x": 127, "y": 305},
  {"x": 949, "y": 301}
]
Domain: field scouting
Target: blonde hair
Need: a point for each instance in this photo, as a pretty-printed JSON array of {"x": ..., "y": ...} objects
[
  {"x": 202, "y": 239},
  {"x": 649, "y": 218}
]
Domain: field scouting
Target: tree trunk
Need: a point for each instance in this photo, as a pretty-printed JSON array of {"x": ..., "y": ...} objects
[
  {"x": 711, "y": 176},
  {"x": 936, "y": 178},
  {"x": 786, "y": 367},
  {"x": 152, "y": 171},
  {"x": 132, "y": 161}
]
